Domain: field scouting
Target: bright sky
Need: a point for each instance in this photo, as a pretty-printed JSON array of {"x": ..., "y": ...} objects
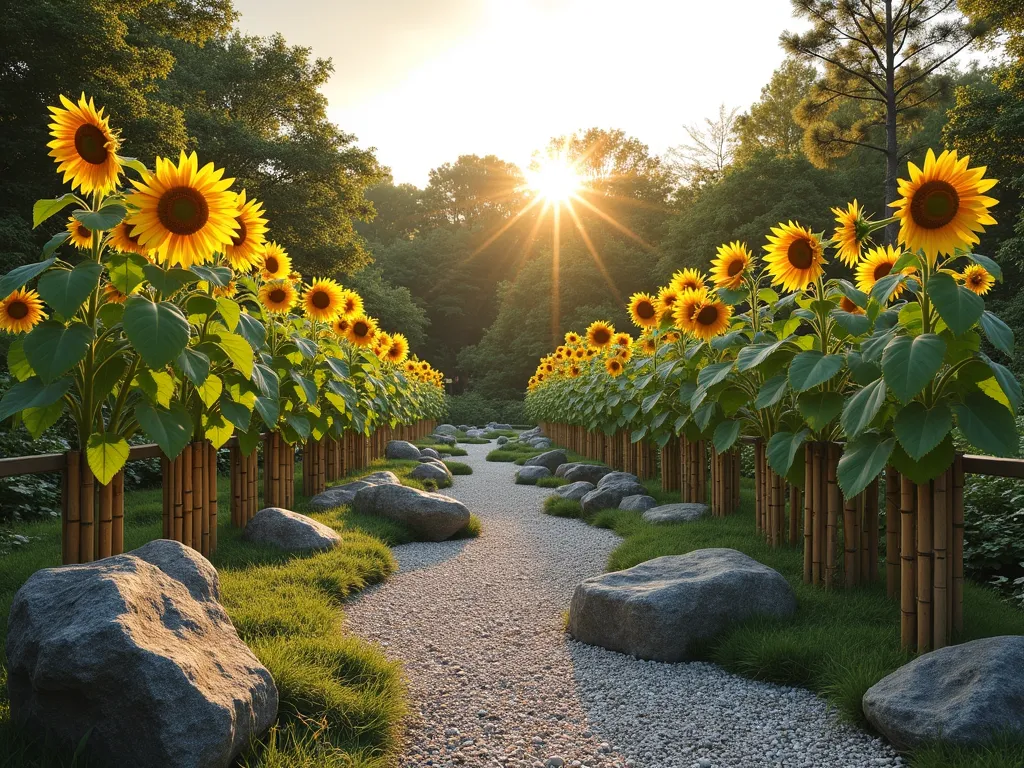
[{"x": 424, "y": 81}]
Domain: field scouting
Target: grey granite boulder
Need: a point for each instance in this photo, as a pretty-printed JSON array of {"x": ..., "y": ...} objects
[
  {"x": 616, "y": 478},
  {"x": 638, "y": 503},
  {"x": 610, "y": 496},
  {"x": 676, "y": 513},
  {"x": 502, "y": 440},
  {"x": 340, "y": 495},
  {"x": 665, "y": 609},
  {"x": 575, "y": 491},
  {"x": 434, "y": 471},
  {"x": 592, "y": 473},
  {"x": 563, "y": 468},
  {"x": 465, "y": 428},
  {"x": 530, "y": 475},
  {"x": 431, "y": 516},
  {"x": 400, "y": 449},
  {"x": 446, "y": 429},
  {"x": 289, "y": 531},
  {"x": 183, "y": 564},
  {"x": 444, "y": 439},
  {"x": 429, "y": 453},
  {"x": 962, "y": 694},
  {"x": 476, "y": 433},
  {"x": 122, "y": 650},
  {"x": 551, "y": 459},
  {"x": 501, "y": 427},
  {"x": 540, "y": 443}
]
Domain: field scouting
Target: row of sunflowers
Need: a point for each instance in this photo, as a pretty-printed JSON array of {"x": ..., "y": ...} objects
[
  {"x": 174, "y": 315},
  {"x": 888, "y": 360}
]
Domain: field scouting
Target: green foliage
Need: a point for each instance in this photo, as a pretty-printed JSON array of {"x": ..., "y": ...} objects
[
  {"x": 474, "y": 408},
  {"x": 459, "y": 468},
  {"x": 556, "y": 506},
  {"x": 551, "y": 482}
]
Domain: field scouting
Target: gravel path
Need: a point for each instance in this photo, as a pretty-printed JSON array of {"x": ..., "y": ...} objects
[{"x": 494, "y": 680}]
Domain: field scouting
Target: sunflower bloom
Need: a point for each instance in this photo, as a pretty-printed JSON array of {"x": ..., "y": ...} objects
[
  {"x": 614, "y": 366},
  {"x": 322, "y": 300},
  {"x": 275, "y": 262},
  {"x": 572, "y": 338},
  {"x": 278, "y": 296},
  {"x": 122, "y": 239},
  {"x": 710, "y": 318},
  {"x": 623, "y": 340},
  {"x": 361, "y": 331},
  {"x": 84, "y": 146},
  {"x": 113, "y": 296},
  {"x": 643, "y": 310},
  {"x": 688, "y": 280},
  {"x": 667, "y": 298},
  {"x": 227, "y": 292},
  {"x": 574, "y": 371},
  {"x": 21, "y": 311},
  {"x": 185, "y": 213},
  {"x": 340, "y": 326},
  {"x": 600, "y": 334},
  {"x": 80, "y": 235},
  {"x": 847, "y": 305},
  {"x": 943, "y": 205},
  {"x": 351, "y": 303},
  {"x": 852, "y": 232},
  {"x": 794, "y": 257},
  {"x": 876, "y": 264},
  {"x": 398, "y": 350},
  {"x": 243, "y": 252},
  {"x": 590, "y": 352},
  {"x": 682, "y": 314},
  {"x": 728, "y": 270},
  {"x": 649, "y": 344},
  {"x": 623, "y": 353},
  {"x": 976, "y": 278},
  {"x": 579, "y": 353}
]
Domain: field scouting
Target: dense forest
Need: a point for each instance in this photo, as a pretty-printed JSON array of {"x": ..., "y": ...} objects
[{"x": 481, "y": 277}]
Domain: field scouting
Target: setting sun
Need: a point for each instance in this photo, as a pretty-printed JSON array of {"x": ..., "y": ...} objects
[{"x": 556, "y": 180}]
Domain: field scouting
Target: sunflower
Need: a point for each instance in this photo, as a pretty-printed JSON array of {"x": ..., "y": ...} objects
[
  {"x": 548, "y": 367},
  {"x": 672, "y": 336},
  {"x": 853, "y": 232},
  {"x": 574, "y": 371},
  {"x": 84, "y": 146},
  {"x": 590, "y": 351},
  {"x": 275, "y": 262},
  {"x": 688, "y": 280},
  {"x": 227, "y": 292},
  {"x": 351, "y": 303},
  {"x": 728, "y": 269},
  {"x": 667, "y": 298},
  {"x": 710, "y": 318},
  {"x": 876, "y": 264},
  {"x": 340, "y": 326},
  {"x": 642, "y": 310},
  {"x": 943, "y": 205},
  {"x": 81, "y": 235},
  {"x": 580, "y": 353},
  {"x": 361, "y": 331},
  {"x": 600, "y": 334},
  {"x": 381, "y": 343},
  {"x": 976, "y": 278},
  {"x": 649, "y": 344},
  {"x": 278, "y": 296},
  {"x": 113, "y": 296},
  {"x": 847, "y": 305},
  {"x": 623, "y": 340},
  {"x": 411, "y": 367},
  {"x": 614, "y": 366},
  {"x": 20, "y": 311},
  {"x": 682, "y": 315},
  {"x": 398, "y": 350},
  {"x": 562, "y": 350},
  {"x": 794, "y": 256},
  {"x": 572, "y": 338},
  {"x": 243, "y": 252},
  {"x": 322, "y": 300},
  {"x": 623, "y": 353}
]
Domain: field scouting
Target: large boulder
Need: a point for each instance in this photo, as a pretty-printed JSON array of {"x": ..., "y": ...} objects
[
  {"x": 502, "y": 440},
  {"x": 465, "y": 428},
  {"x": 289, "y": 531},
  {"x": 476, "y": 433},
  {"x": 610, "y": 496},
  {"x": 592, "y": 473},
  {"x": 431, "y": 516},
  {"x": 529, "y": 434},
  {"x": 575, "y": 491},
  {"x": 143, "y": 663},
  {"x": 434, "y": 471},
  {"x": 400, "y": 449},
  {"x": 676, "y": 513},
  {"x": 340, "y": 495},
  {"x": 563, "y": 468},
  {"x": 617, "y": 478},
  {"x": 550, "y": 459},
  {"x": 446, "y": 429},
  {"x": 665, "y": 609},
  {"x": 963, "y": 694},
  {"x": 539, "y": 443},
  {"x": 638, "y": 503},
  {"x": 502, "y": 427},
  {"x": 530, "y": 475},
  {"x": 429, "y": 453},
  {"x": 444, "y": 439}
]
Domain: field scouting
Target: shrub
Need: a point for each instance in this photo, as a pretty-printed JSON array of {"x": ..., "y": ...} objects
[
  {"x": 474, "y": 408},
  {"x": 458, "y": 468}
]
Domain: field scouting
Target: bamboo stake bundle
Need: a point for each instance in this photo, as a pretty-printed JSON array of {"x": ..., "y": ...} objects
[
  {"x": 71, "y": 508},
  {"x": 735, "y": 479},
  {"x": 818, "y": 472},
  {"x": 851, "y": 554},
  {"x": 794, "y": 515},
  {"x": 956, "y": 612},
  {"x": 925, "y": 529},
  {"x": 869, "y": 534},
  {"x": 200, "y": 532},
  {"x": 942, "y": 519},
  {"x": 185, "y": 471},
  {"x": 833, "y": 514},
  {"x": 810, "y": 489},
  {"x": 670, "y": 466},
  {"x": 892, "y": 533},
  {"x": 84, "y": 502},
  {"x": 774, "y": 512},
  {"x": 908, "y": 575},
  {"x": 759, "y": 506}
]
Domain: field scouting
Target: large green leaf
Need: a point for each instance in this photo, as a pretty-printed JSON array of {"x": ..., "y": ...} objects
[
  {"x": 248, "y": 440},
  {"x": 908, "y": 364},
  {"x": 170, "y": 428},
  {"x": 298, "y": 423},
  {"x": 157, "y": 331},
  {"x": 713, "y": 374},
  {"x": 210, "y": 390},
  {"x": 32, "y": 393},
  {"x": 252, "y": 330},
  {"x": 862, "y": 408},
  {"x": 217, "y": 429},
  {"x": 218, "y": 276},
  {"x": 919, "y": 428},
  {"x": 958, "y": 306},
  {"x": 772, "y": 391},
  {"x": 862, "y": 461},
  {"x": 17, "y": 362},
  {"x": 650, "y": 401},
  {"x": 269, "y": 410},
  {"x": 928, "y": 467},
  {"x": 168, "y": 281},
  {"x": 998, "y": 332},
  {"x": 987, "y": 425},
  {"x": 819, "y": 408},
  {"x": 782, "y": 449},
  {"x": 238, "y": 351},
  {"x": 194, "y": 364},
  {"x": 67, "y": 289},
  {"x": 44, "y": 209},
  {"x": 53, "y": 350},
  {"x": 126, "y": 271},
  {"x": 38, "y": 420},
  {"x": 107, "y": 375},
  {"x": 266, "y": 379},
  {"x": 236, "y": 413},
  {"x": 753, "y": 355},
  {"x": 809, "y": 369},
  {"x": 19, "y": 276},
  {"x": 106, "y": 218},
  {"x": 230, "y": 312},
  {"x": 1007, "y": 382},
  {"x": 726, "y": 434},
  {"x": 158, "y": 386},
  {"x": 107, "y": 453}
]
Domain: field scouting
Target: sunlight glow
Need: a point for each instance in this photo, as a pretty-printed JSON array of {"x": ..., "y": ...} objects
[{"x": 555, "y": 180}]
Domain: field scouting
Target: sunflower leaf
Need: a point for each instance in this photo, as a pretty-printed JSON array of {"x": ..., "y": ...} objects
[
  {"x": 218, "y": 276},
  {"x": 958, "y": 306},
  {"x": 66, "y": 289},
  {"x": 103, "y": 220},
  {"x": 52, "y": 349},
  {"x": 19, "y": 277},
  {"x": 44, "y": 209}
]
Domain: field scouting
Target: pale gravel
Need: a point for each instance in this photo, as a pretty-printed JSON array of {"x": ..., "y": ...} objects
[{"x": 495, "y": 681}]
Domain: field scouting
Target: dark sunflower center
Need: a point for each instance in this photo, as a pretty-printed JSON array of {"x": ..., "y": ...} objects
[
  {"x": 183, "y": 210},
  {"x": 707, "y": 315},
  {"x": 601, "y": 336},
  {"x": 270, "y": 264},
  {"x": 17, "y": 310},
  {"x": 360, "y": 328},
  {"x": 976, "y": 279},
  {"x": 882, "y": 270},
  {"x": 800, "y": 253},
  {"x": 239, "y": 237},
  {"x": 846, "y": 305},
  {"x": 321, "y": 300},
  {"x": 735, "y": 268},
  {"x": 645, "y": 310},
  {"x": 935, "y": 205},
  {"x": 91, "y": 144},
  {"x": 84, "y": 232},
  {"x": 277, "y": 295},
  {"x": 341, "y": 326},
  {"x": 669, "y": 299},
  {"x": 128, "y": 234}
]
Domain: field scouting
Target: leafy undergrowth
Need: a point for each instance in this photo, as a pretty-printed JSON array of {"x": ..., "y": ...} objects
[
  {"x": 341, "y": 700},
  {"x": 474, "y": 440},
  {"x": 441, "y": 448},
  {"x": 552, "y": 482},
  {"x": 494, "y": 434},
  {"x": 517, "y": 452},
  {"x": 458, "y": 468},
  {"x": 839, "y": 643}
]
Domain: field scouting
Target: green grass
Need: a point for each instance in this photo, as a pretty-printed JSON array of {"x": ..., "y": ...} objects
[
  {"x": 458, "y": 468},
  {"x": 441, "y": 448},
  {"x": 474, "y": 440},
  {"x": 517, "y": 452},
  {"x": 341, "y": 700},
  {"x": 556, "y": 506},
  {"x": 494, "y": 434},
  {"x": 552, "y": 482},
  {"x": 470, "y": 530},
  {"x": 1003, "y": 752}
]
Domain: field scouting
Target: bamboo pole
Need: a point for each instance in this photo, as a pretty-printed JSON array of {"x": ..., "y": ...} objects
[
  {"x": 809, "y": 492},
  {"x": 200, "y": 522},
  {"x": 957, "y": 565},
  {"x": 925, "y": 529},
  {"x": 834, "y": 501},
  {"x": 106, "y": 519},
  {"x": 87, "y": 504},
  {"x": 818, "y": 512},
  {"x": 167, "y": 499},
  {"x": 187, "y": 501},
  {"x": 794, "y": 514},
  {"x": 908, "y": 564},
  {"x": 869, "y": 534},
  {"x": 178, "y": 498},
  {"x": 940, "y": 592},
  {"x": 117, "y": 515},
  {"x": 850, "y": 561},
  {"x": 236, "y": 486},
  {"x": 758, "y": 491},
  {"x": 73, "y": 516},
  {"x": 211, "y": 494},
  {"x": 892, "y": 532}
]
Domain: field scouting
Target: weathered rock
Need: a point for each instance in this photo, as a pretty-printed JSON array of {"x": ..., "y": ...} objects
[
  {"x": 962, "y": 694},
  {"x": 592, "y": 473},
  {"x": 431, "y": 516},
  {"x": 638, "y": 503},
  {"x": 563, "y": 468},
  {"x": 676, "y": 513},
  {"x": 610, "y": 496},
  {"x": 613, "y": 478},
  {"x": 476, "y": 433},
  {"x": 434, "y": 471},
  {"x": 429, "y": 453},
  {"x": 527, "y": 475},
  {"x": 289, "y": 531},
  {"x": 465, "y": 428},
  {"x": 400, "y": 449},
  {"x": 339, "y": 495},
  {"x": 183, "y": 564},
  {"x": 540, "y": 443},
  {"x": 666, "y": 608},
  {"x": 446, "y": 429},
  {"x": 502, "y": 440},
  {"x": 122, "y": 648},
  {"x": 551, "y": 459},
  {"x": 444, "y": 439},
  {"x": 502, "y": 427},
  {"x": 575, "y": 491},
  {"x": 529, "y": 434}
]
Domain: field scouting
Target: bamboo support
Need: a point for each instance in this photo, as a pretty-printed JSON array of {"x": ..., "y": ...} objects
[
  {"x": 833, "y": 515},
  {"x": 87, "y": 503},
  {"x": 211, "y": 494},
  {"x": 117, "y": 515},
  {"x": 817, "y": 509},
  {"x": 794, "y": 515},
  {"x": 957, "y": 570},
  {"x": 72, "y": 509},
  {"x": 892, "y": 532},
  {"x": 908, "y": 576},
  {"x": 850, "y": 541},
  {"x": 810, "y": 488},
  {"x": 869, "y": 534},
  {"x": 925, "y": 518},
  {"x": 940, "y": 563}
]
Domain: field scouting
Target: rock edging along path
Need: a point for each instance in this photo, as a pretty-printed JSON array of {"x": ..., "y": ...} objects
[{"x": 495, "y": 681}]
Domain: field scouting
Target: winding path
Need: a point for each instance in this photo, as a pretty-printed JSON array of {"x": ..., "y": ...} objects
[{"x": 495, "y": 681}]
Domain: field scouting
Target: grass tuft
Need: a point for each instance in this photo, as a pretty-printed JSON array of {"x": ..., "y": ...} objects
[
  {"x": 552, "y": 482},
  {"x": 494, "y": 434},
  {"x": 459, "y": 468},
  {"x": 470, "y": 530},
  {"x": 556, "y": 506},
  {"x": 474, "y": 440}
]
